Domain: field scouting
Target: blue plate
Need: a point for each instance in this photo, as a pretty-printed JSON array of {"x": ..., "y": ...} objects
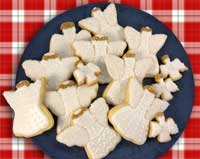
[{"x": 180, "y": 107}]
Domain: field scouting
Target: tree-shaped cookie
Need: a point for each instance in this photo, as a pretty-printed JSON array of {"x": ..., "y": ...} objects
[
  {"x": 90, "y": 130},
  {"x": 103, "y": 22},
  {"x": 61, "y": 44},
  {"x": 54, "y": 68},
  {"x": 162, "y": 128},
  {"x": 144, "y": 44},
  {"x": 120, "y": 70},
  {"x": 95, "y": 51},
  {"x": 31, "y": 115},
  {"x": 88, "y": 73},
  {"x": 164, "y": 88},
  {"x": 67, "y": 99},
  {"x": 131, "y": 119},
  {"x": 172, "y": 68}
]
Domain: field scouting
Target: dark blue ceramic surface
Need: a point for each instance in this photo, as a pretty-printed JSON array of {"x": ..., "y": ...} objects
[{"x": 180, "y": 107}]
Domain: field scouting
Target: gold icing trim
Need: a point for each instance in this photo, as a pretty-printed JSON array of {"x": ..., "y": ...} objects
[
  {"x": 97, "y": 38},
  {"x": 66, "y": 25},
  {"x": 22, "y": 83},
  {"x": 94, "y": 10},
  {"x": 52, "y": 56},
  {"x": 148, "y": 29},
  {"x": 158, "y": 77},
  {"x": 65, "y": 85},
  {"x": 158, "y": 115},
  {"x": 128, "y": 54},
  {"x": 82, "y": 110},
  {"x": 150, "y": 89},
  {"x": 164, "y": 57}
]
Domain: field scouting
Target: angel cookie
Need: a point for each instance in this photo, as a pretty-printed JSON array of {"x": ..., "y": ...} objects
[
  {"x": 54, "y": 68},
  {"x": 164, "y": 88},
  {"x": 61, "y": 44},
  {"x": 162, "y": 128},
  {"x": 67, "y": 99},
  {"x": 172, "y": 68},
  {"x": 131, "y": 119},
  {"x": 120, "y": 70},
  {"x": 90, "y": 130},
  {"x": 103, "y": 22},
  {"x": 144, "y": 44},
  {"x": 95, "y": 51},
  {"x": 88, "y": 73},
  {"x": 31, "y": 115}
]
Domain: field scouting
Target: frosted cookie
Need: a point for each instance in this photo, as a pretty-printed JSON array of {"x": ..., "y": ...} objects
[
  {"x": 61, "y": 44},
  {"x": 162, "y": 128},
  {"x": 172, "y": 68},
  {"x": 88, "y": 73},
  {"x": 164, "y": 88},
  {"x": 67, "y": 99},
  {"x": 103, "y": 22},
  {"x": 31, "y": 117},
  {"x": 54, "y": 68},
  {"x": 131, "y": 119},
  {"x": 120, "y": 70},
  {"x": 144, "y": 44},
  {"x": 90, "y": 130},
  {"x": 95, "y": 51}
]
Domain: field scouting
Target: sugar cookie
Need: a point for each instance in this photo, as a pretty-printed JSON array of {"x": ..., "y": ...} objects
[{"x": 31, "y": 117}]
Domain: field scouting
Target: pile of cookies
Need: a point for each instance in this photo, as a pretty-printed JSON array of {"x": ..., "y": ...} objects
[{"x": 66, "y": 82}]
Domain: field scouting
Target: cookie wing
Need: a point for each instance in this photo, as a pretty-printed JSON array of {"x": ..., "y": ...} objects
[
  {"x": 115, "y": 92},
  {"x": 157, "y": 106},
  {"x": 84, "y": 50},
  {"x": 115, "y": 66},
  {"x": 86, "y": 94},
  {"x": 99, "y": 109},
  {"x": 111, "y": 14},
  {"x": 10, "y": 98},
  {"x": 73, "y": 136},
  {"x": 67, "y": 67},
  {"x": 54, "y": 102},
  {"x": 116, "y": 47},
  {"x": 142, "y": 67},
  {"x": 156, "y": 42},
  {"x": 71, "y": 103},
  {"x": 91, "y": 24},
  {"x": 58, "y": 45},
  {"x": 33, "y": 69},
  {"x": 132, "y": 37},
  {"x": 83, "y": 35}
]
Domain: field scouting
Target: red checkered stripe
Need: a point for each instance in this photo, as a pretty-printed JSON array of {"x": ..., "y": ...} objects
[{"x": 21, "y": 19}]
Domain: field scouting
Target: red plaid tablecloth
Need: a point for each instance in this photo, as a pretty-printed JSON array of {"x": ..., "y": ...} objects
[{"x": 21, "y": 19}]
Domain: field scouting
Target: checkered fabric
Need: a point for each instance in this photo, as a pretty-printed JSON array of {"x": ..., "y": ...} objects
[{"x": 21, "y": 19}]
